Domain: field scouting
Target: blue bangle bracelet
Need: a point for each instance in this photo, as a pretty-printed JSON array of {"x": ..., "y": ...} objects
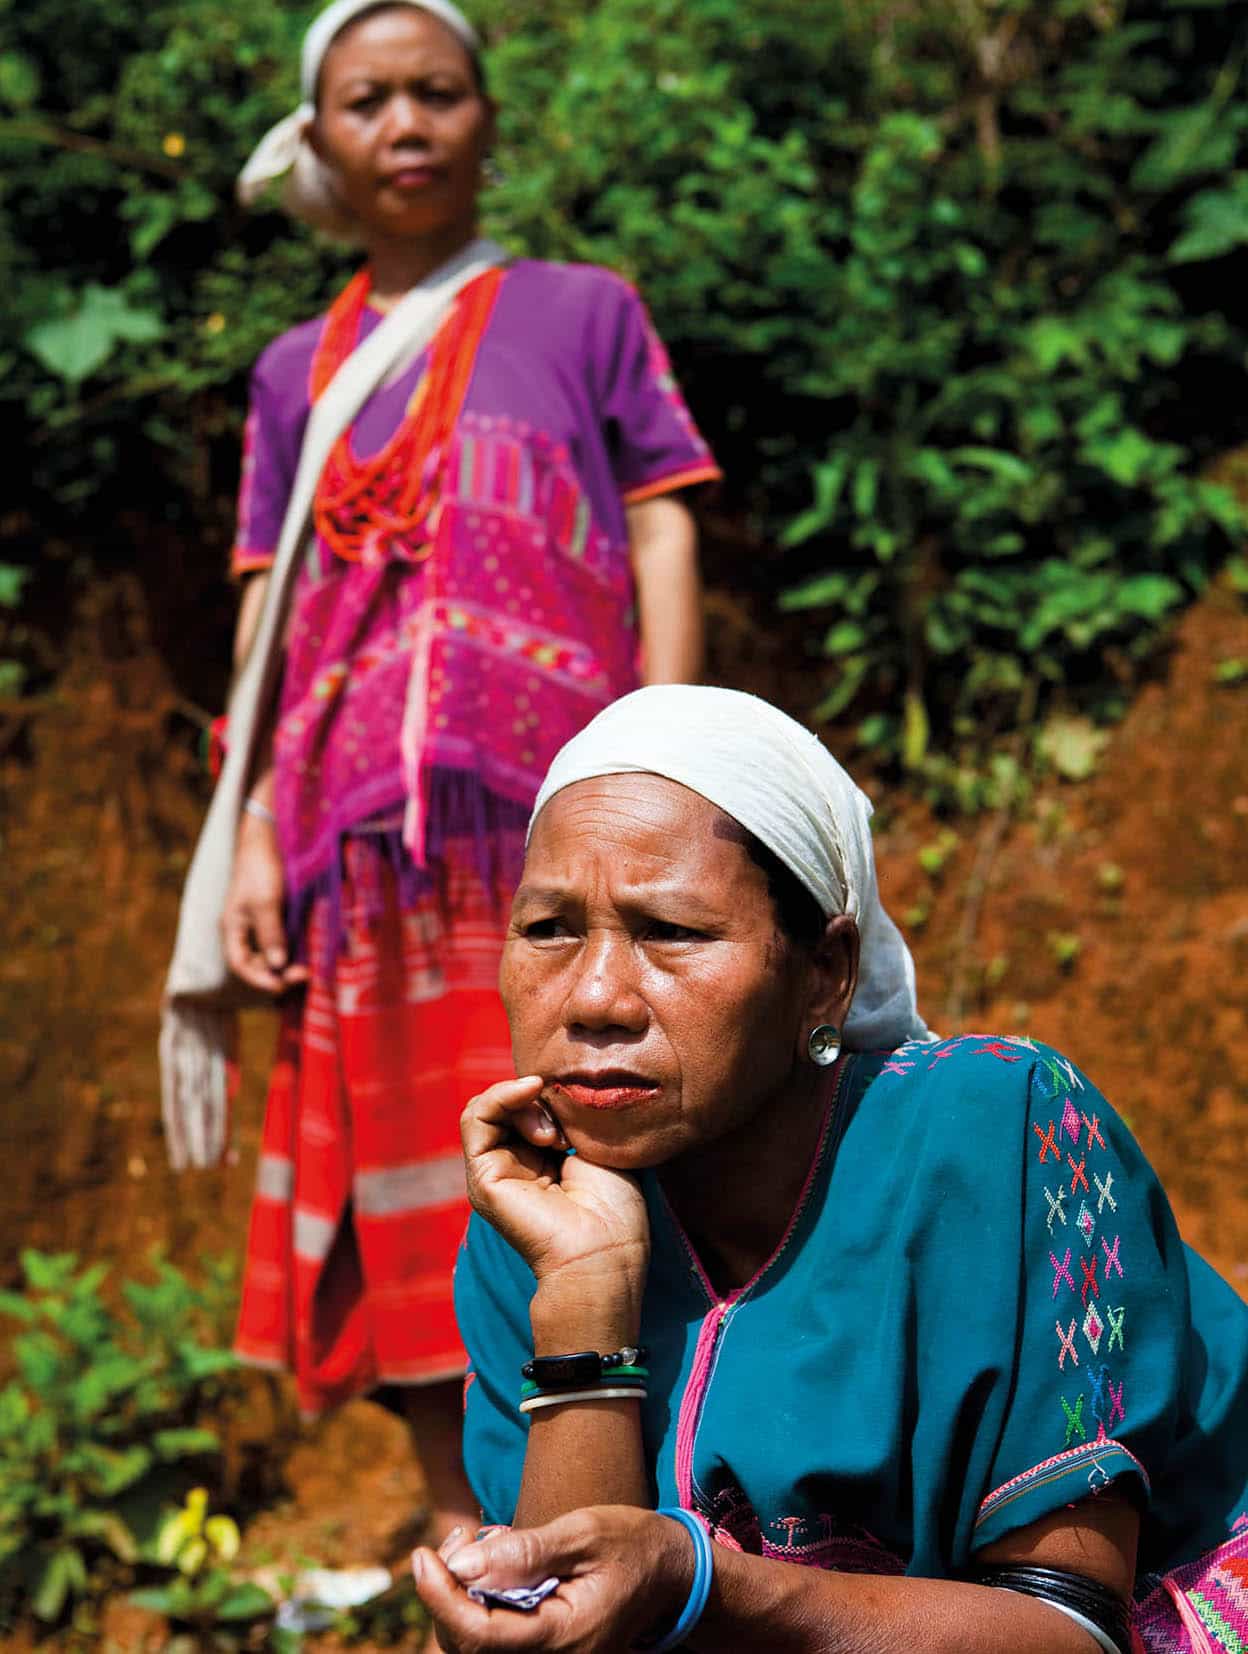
[{"x": 700, "y": 1590}]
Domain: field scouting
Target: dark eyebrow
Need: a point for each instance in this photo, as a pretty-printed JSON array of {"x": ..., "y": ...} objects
[{"x": 539, "y": 893}]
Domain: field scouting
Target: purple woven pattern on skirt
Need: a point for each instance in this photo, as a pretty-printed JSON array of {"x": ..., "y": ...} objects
[{"x": 1201, "y": 1608}]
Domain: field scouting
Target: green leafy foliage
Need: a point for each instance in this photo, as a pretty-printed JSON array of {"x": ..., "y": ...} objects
[
  {"x": 99, "y": 1427},
  {"x": 953, "y": 289}
]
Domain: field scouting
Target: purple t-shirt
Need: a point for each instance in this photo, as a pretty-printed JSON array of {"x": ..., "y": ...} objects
[
  {"x": 570, "y": 352},
  {"x": 407, "y": 682}
]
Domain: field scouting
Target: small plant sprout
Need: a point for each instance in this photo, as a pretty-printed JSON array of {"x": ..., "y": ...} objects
[
  {"x": 932, "y": 857},
  {"x": 191, "y": 1540},
  {"x": 202, "y": 1592},
  {"x": 1064, "y": 945}
]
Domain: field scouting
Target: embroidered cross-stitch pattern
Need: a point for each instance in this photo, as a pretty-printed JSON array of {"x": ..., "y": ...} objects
[
  {"x": 1093, "y": 1328},
  {"x": 1048, "y": 1141},
  {"x": 1089, "y": 1279},
  {"x": 1103, "y": 1196},
  {"x": 1061, "y": 1271},
  {"x": 1072, "y": 1124},
  {"x": 1067, "y": 1339},
  {"x": 1056, "y": 1205},
  {"x": 1074, "y": 1420}
]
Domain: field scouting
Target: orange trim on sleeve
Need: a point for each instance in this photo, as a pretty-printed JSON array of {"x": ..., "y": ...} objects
[
  {"x": 244, "y": 560},
  {"x": 669, "y": 484}
]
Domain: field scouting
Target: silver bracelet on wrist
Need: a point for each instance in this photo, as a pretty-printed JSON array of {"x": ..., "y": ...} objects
[
  {"x": 262, "y": 812},
  {"x": 606, "y": 1392}
]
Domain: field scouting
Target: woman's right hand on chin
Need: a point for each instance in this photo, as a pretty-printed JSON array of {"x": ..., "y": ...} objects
[
  {"x": 252, "y": 927},
  {"x": 582, "y": 1229}
]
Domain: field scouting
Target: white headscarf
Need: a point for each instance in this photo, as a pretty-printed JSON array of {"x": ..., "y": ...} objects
[
  {"x": 783, "y": 785},
  {"x": 285, "y": 152}
]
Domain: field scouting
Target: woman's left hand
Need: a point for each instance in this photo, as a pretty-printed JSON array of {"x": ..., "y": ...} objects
[{"x": 623, "y": 1574}]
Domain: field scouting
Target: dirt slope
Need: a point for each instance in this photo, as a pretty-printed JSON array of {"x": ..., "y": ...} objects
[{"x": 1135, "y": 878}]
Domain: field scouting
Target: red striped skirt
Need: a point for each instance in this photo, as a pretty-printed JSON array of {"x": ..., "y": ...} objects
[{"x": 359, "y": 1206}]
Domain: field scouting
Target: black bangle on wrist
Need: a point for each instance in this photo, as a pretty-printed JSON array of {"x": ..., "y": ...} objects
[
  {"x": 581, "y": 1368},
  {"x": 1102, "y": 1612}
]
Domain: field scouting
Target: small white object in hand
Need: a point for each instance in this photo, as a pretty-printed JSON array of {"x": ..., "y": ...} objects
[{"x": 524, "y": 1597}]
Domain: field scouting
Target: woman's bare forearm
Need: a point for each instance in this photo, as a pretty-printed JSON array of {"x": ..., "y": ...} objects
[
  {"x": 249, "y": 606},
  {"x": 585, "y": 1452},
  {"x": 765, "y": 1604},
  {"x": 760, "y": 1604},
  {"x": 664, "y": 543}
]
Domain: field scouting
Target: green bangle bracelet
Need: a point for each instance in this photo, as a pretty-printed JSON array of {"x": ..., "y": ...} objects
[{"x": 610, "y": 1375}]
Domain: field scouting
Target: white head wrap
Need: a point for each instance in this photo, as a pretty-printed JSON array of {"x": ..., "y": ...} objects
[
  {"x": 783, "y": 785},
  {"x": 285, "y": 152}
]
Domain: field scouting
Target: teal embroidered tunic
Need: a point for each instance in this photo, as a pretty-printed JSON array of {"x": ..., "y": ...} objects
[{"x": 982, "y": 1312}]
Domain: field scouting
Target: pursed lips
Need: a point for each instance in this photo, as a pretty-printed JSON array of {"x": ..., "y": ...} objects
[
  {"x": 613, "y": 1088},
  {"x": 409, "y": 177}
]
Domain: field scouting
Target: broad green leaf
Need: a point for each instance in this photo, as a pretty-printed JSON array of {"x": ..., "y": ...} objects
[
  {"x": 19, "y": 81},
  {"x": 245, "y": 1602},
  {"x": 74, "y": 346},
  {"x": 850, "y": 681},
  {"x": 829, "y": 481},
  {"x": 120, "y": 1470},
  {"x": 1127, "y": 457},
  {"x": 63, "y": 1574},
  {"x": 1008, "y": 467},
  {"x": 184, "y": 1443},
  {"x": 161, "y": 1599},
  {"x": 1150, "y": 596},
  {"x": 1196, "y": 140},
  {"x": 865, "y": 487},
  {"x": 12, "y": 678},
  {"x": 106, "y": 1525},
  {"x": 816, "y": 593},
  {"x": 18, "y": 1308},
  {"x": 1217, "y": 223},
  {"x": 1052, "y": 340},
  {"x": 843, "y": 638},
  {"x": 916, "y": 730},
  {"x": 879, "y": 730},
  {"x": 48, "y": 1271}
]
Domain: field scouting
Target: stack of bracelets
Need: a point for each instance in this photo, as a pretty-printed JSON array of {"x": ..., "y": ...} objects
[
  {"x": 550, "y": 1380},
  {"x": 1093, "y": 1606}
]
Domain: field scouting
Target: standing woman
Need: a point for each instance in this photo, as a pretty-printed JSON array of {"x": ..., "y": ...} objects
[{"x": 485, "y": 532}]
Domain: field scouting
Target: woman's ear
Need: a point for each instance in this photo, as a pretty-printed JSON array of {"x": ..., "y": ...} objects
[{"x": 834, "y": 977}]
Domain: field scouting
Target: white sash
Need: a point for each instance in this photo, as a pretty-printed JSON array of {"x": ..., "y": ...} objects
[{"x": 200, "y": 994}]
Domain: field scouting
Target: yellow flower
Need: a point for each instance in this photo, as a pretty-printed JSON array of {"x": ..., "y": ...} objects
[
  {"x": 214, "y": 323},
  {"x": 184, "y": 1526},
  {"x": 192, "y": 1556},
  {"x": 174, "y": 145},
  {"x": 223, "y": 1535}
]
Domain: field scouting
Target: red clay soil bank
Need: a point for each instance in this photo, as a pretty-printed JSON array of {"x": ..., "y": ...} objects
[
  {"x": 101, "y": 796},
  {"x": 1113, "y": 922}
]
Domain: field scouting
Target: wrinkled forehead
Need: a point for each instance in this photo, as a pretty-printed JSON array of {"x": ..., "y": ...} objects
[
  {"x": 638, "y": 796},
  {"x": 633, "y": 820},
  {"x": 380, "y": 27}
]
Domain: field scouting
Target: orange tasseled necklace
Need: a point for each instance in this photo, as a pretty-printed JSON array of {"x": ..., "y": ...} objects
[{"x": 384, "y": 507}]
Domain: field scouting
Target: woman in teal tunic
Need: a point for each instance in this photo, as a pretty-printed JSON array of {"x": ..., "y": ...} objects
[{"x": 909, "y": 1334}]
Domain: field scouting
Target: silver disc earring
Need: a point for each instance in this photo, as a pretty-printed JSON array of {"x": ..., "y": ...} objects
[{"x": 824, "y": 1044}]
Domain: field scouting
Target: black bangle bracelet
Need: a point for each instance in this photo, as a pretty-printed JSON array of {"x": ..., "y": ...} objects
[
  {"x": 582, "y": 1367},
  {"x": 1086, "y": 1597}
]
